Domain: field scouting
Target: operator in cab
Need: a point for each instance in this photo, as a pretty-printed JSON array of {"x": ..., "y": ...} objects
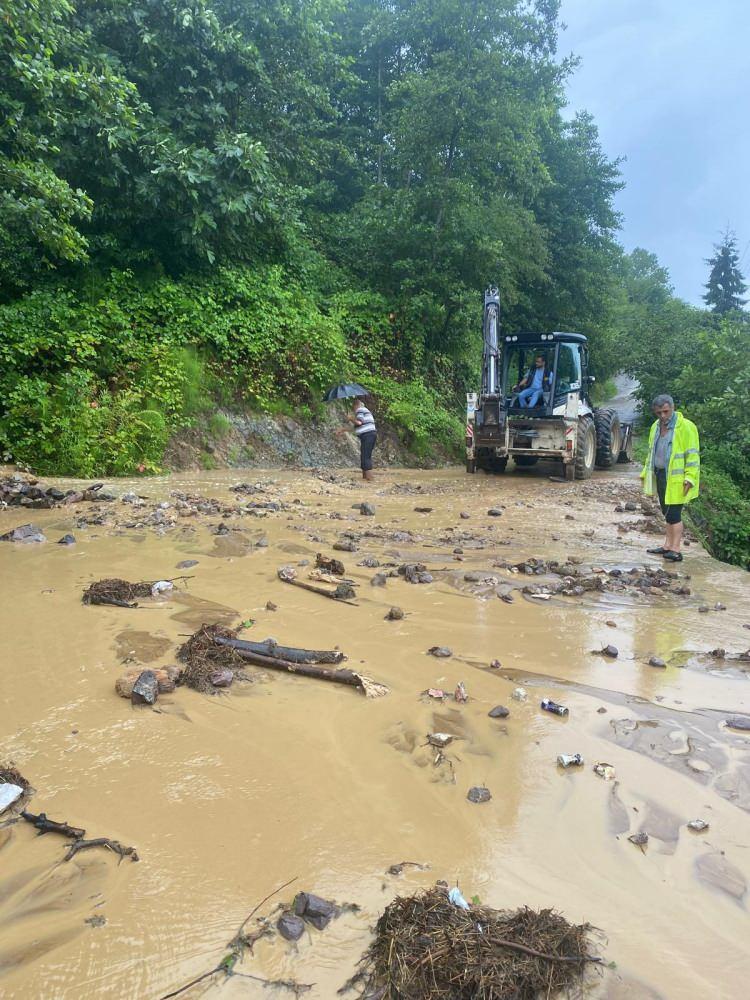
[{"x": 536, "y": 381}]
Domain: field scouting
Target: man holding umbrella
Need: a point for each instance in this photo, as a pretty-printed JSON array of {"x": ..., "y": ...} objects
[{"x": 363, "y": 420}]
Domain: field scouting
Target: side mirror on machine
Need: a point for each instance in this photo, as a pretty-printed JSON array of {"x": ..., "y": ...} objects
[{"x": 590, "y": 379}]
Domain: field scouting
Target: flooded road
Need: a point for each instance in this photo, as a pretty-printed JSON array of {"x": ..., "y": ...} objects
[{"x": 227, "y": 797}]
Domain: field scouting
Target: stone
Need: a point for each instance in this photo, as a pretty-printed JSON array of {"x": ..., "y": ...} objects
[
  {"x": 494, "y": 512},
  {"x": 23, "y": 533},
  {"x": 656, "y": 661},
  {"x": 718, "y": 653},
  {"x": 440, "y": 651},
  {"x": 499, "y": 712},
  {"x": 367, "y": 509},
  {"x": 166, "y": 678},
  {"x": 67, "y": 540},
  {"x": 697, "y": 825},
  {"x": 395, "y": 614},
  {"x": 370, "y": 562},
  {"x": 222, "y": 678},
  {"x": 631, "y": 506},
  {"x": 187, "y": 564},
  {"x": 270, "y": 606},
  {"x": 345, "y": 546},
  {"x": 741, "y": 722},
  {"x": 290, "y": 926},
  {"x": 378, "y": 580},
  {"x": 423, "y": 510},
  {"x": 317, "y": 911},
  {"x": 146, "y": 689},
  {"x": 704, "y": 609},
  {"x": 478, "y": 794},
  {"x": 464, "y": 515},
  {"x": 611, "y": 651},
  {"x": 719, "y": 606}
]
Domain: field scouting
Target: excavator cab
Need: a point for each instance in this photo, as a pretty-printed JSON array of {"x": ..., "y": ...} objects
[{"x": 562, "y": 424}]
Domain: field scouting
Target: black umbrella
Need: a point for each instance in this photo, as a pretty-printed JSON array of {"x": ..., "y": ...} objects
[{"x": 345, "y": 390}]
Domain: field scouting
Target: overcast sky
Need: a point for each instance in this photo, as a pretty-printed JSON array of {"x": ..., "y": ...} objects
[{"x": 668, "y": 83}]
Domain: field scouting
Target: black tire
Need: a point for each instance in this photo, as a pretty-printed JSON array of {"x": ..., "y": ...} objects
[
  {"x": 524, "y": 461},
  {"x": 585, "y": 448},
  {"x": 608, "y": 437},
  {"x": 499, "y": 464}
]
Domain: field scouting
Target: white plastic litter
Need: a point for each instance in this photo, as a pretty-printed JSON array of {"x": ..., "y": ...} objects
[
  {"x": 9, "y": 793},
  {"x": 457, "y": 899},
  {"x": 519, "y": 694},
  {"x": 161, "y": 587}
]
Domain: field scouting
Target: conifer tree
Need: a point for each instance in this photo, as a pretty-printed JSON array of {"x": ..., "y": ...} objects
[{"x": 725, "y": 284}]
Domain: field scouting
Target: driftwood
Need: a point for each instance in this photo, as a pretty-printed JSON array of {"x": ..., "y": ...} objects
[
  {"x": 341, "y": 676},
  {"x": 291, "y": 653},
  {"x": 45, "y": 825},
  {"x": 343, "y": 592}
]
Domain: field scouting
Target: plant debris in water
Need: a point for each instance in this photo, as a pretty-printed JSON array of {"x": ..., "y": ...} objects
[
  {"x": 118, "y": 592},
  {"x": 426, "y": 948},
  {"x": 203, "y": 657}
]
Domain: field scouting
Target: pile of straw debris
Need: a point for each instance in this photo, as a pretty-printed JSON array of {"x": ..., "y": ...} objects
[
  {"x": 118, "y": 592},
  {"x": 203, "y": 657},
  {"x": 427, "y": 948}
]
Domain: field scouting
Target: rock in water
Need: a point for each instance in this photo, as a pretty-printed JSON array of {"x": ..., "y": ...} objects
[
  {"x": 440, "y": 651},
  {"x": 378, "y": 580},
  {"x": 739, "y": 722},
  {"x": 67, "y": 540},
  {"x": 187, "y": 564},
  {"x": 146, "y": 689},
  {"x": 166, "y": 679},
  {"x": 494, "y": 512},
  {"x": 611, "y": 651},
  {"x": 367, "y": 509},
  {"x": 499, "y": 712},
  {"x": 394, "y": 615},
  {"x": 290, "y": 926},
  {"x": 317, "y": 911},
  {"x": 23, "y": 533},
  {"x": 479, "y": 794},
  {"x": 222, "y": 678},
  {"x": 656, "y": 661}
]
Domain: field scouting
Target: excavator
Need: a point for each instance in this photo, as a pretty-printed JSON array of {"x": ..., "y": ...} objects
[{"x": 561, "y": 424}]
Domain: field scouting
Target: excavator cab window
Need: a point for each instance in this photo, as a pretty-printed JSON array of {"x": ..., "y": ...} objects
[
  {"x": 519, "y": 360},
  {"x": 568, "y": 369}
]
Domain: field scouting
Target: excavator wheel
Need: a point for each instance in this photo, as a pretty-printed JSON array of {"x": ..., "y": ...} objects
[
  {"x": 585, "y": 448},
  {"x": 608, "y": 437}
]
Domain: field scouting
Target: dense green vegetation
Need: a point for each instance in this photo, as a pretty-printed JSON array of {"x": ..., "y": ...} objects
[{"x": 245, "y": 200}]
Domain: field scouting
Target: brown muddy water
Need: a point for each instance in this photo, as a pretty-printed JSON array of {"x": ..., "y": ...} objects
[{"x": 227, "y": 797}]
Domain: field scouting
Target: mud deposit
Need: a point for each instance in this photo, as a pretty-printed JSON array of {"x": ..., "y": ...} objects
[{"x": 279, "y": 777}]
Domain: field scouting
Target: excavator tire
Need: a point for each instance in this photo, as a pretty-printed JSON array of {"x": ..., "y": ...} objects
[
  {"x": 608, "y": 437},
  {"x": 525, "y": 460},
  {"x": 585, "y": 448}
]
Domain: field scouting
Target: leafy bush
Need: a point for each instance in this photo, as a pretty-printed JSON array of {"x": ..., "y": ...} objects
[{"x": 721, "y": 516}]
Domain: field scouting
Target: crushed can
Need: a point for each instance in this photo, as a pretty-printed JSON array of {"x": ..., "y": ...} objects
[
  {"x": 570, "y": 760},
  {"x": 551, "y": 706}
]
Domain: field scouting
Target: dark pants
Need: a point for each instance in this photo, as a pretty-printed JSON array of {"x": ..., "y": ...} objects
[
  {"x": 673, "y": 511},
  {"x": 366, "y": 444}
]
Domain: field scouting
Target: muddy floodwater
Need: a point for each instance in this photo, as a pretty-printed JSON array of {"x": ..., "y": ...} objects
[{"x": 228, "y": 796}]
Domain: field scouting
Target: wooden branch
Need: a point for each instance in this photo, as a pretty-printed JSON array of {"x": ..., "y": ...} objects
[
  {"x": 340, "y": 676},
  {"x": 320, "y": 590},
  {"x": 292, "y": 654},
  {"x": 112, "y": 845},
  {"x": 45, "y": 825}
]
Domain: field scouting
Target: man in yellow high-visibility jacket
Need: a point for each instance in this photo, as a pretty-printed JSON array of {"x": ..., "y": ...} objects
[{"x": 672, "y": 470}]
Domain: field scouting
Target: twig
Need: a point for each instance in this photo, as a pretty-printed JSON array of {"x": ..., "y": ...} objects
[
  {"x": 44, "y": 825},
  {"x": 256, "y": 908}
]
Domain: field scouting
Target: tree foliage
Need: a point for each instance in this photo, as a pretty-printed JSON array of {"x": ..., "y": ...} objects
[{"x": 726, "y": 283}]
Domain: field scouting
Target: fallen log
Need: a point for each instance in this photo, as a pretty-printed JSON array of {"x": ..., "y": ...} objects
[
  {"x": 291, "y": 653},
  {"x": 341, "y": 676},
  {"x": 111, "y": 845}
]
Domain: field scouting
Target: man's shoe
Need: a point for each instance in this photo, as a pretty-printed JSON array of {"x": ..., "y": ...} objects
[
  {"x": 673, "y": 556},
  {"x": 657, "y": 552}
]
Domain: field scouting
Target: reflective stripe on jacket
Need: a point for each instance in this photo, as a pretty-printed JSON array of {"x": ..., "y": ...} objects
[{"x": 684, "y": 463}]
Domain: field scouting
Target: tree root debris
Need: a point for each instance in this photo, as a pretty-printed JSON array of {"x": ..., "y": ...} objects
[
  {"x": 427, "y": 948},
  {"x": 121, "y": 593}
]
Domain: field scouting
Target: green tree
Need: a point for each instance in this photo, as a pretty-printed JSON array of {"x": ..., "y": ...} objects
[
  {"x": 55, "y": 88},
  {"x": 726, "y": 284}
]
